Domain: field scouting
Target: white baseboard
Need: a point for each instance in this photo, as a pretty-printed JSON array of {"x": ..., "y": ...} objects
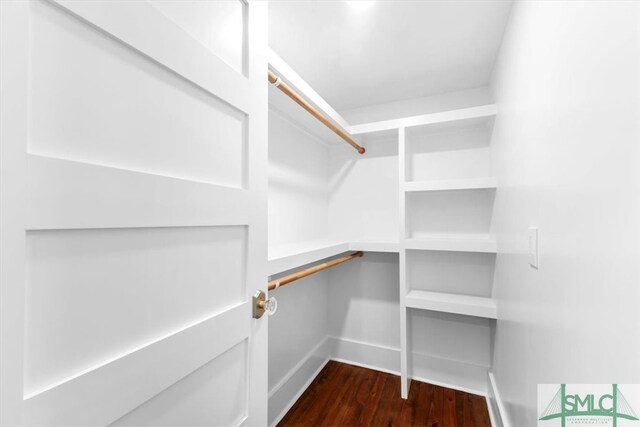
[
  {"x": 434, "y": 370},
  {"x": 366, "y": 355},
  {"x": 497, "y": 411},
  {"x": 288, "y": 390}
]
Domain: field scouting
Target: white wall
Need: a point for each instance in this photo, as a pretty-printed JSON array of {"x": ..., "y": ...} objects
[
  {"x": 298, "y": 184},
  {"x": 298, "y": 210},
  {"x": 363, "y": 190},
  {"x": 297, "y": 333},
  {"x": 449, "y": 151},
  {"x": 365, "y": 300},
  {"x": 566, "y": 154}
]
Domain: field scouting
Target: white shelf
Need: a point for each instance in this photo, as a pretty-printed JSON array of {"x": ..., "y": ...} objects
[
  {"x": 482, "y": 111},
  {"x": 286, "y": 257},
  {"x": 452, "y": 303},
  {"x": 375, "y": 246},
  {"x": 451, "y": 185},
  {"x": 452, "y": 243}
]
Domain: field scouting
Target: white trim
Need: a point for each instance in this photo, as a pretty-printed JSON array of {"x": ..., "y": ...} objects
[
  {"x": 418, "y": 378},
  {"x": 318, "y": 350},
  {"x": 387, "y": 359},
  {"x": 295, "y": 398},
  {"x": 359, "y": 342},
  {"x": 405, "y": 346},
  {"x": 314, "y": 351},
  {"x": 277, "y": 63},
  {"x": 368, "y": 355},
  {"x": 470, "y": 390},
  {"x": 493, "y": 416},
  {"x": 366, "y": 366},
  {"x": 501, "y": 415},
  {"x": 385, "y": 356},
  {"x": 14, "y": 80}
]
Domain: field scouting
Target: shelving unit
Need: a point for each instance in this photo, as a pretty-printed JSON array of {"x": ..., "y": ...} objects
[
  {"x": 444, "y": 193},
  {"x": 452, "y": 243},
  {"x": 472, "y": 114},
  {"x": 451, "y": 185},
  {"x": 422, "y": 191},
  {"x": 287, "y": 257},
  {"x": 375, "y": 246},
  {"x": 426, "y": 174},
  {"x": 452, "y": 303}
]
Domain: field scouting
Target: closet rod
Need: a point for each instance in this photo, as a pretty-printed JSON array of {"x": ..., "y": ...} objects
[
  {"x": 308, "y": 271},
  {"x": 277, "y": 82}
]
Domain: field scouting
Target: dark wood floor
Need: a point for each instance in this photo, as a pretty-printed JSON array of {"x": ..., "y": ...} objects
[{"x": 347, "y": 395}]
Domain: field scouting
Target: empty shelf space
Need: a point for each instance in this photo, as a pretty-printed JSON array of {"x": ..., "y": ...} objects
[
  {"x": 452, "y": 243},
  {"x": 375, "y": 246},
  {"x": 286, "y": 257},
  {"x": 452, "y": 303},
  {"x": 451, "y": 184}
]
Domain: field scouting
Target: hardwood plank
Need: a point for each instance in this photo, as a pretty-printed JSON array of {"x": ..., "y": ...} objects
[
  {"x": 408, "y": 410},
  {"x": 369, "y": 410},
  {"x": 339, "y": 390},
  {"x": 449, "y": 407},
  {"x": 461, "y": 405},
  {"x": 312, "y": 396},
  {"x": 345, "y": 400},
  {"x": 353, "y": 409},
  {"x": 436, "y": 414},
  {"x": 468, "y": 413},
  {"x": 346, "y": 395},
  {"x": 479, "y": 413},
  {"x": 389, "y": 406},
  {"x": 423, "y": 396}
]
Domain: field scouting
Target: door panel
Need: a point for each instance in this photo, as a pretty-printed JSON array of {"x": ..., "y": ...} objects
[
  {"x": 113, "y": 197},
  {"x": 219, "y": 25},
  {"x": 213, "y": 395},
  {"x": 106, "y": 392},
  {"x": 149, "y": 119},
  {"x": 168, "y": 44},
  {"x": 135, "y": 164},
  {"x": 95, "y": 294}
]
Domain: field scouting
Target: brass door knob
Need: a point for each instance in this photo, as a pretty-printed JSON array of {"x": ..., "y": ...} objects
[{"x": 261, "y": 305}]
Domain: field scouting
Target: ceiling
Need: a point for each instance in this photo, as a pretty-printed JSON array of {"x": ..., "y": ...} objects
[{"x": 360, "y": 53}]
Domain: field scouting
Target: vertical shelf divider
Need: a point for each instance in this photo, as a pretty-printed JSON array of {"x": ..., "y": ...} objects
[{"x": 405, "y": 378}]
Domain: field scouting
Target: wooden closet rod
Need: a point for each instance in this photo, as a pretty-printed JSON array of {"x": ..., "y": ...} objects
[
  {"x": 308, "y": 271},
  {"x": 277, "y": 82}
]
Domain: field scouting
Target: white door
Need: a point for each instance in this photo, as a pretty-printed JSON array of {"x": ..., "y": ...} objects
[{"x": 133, "y": 167}]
